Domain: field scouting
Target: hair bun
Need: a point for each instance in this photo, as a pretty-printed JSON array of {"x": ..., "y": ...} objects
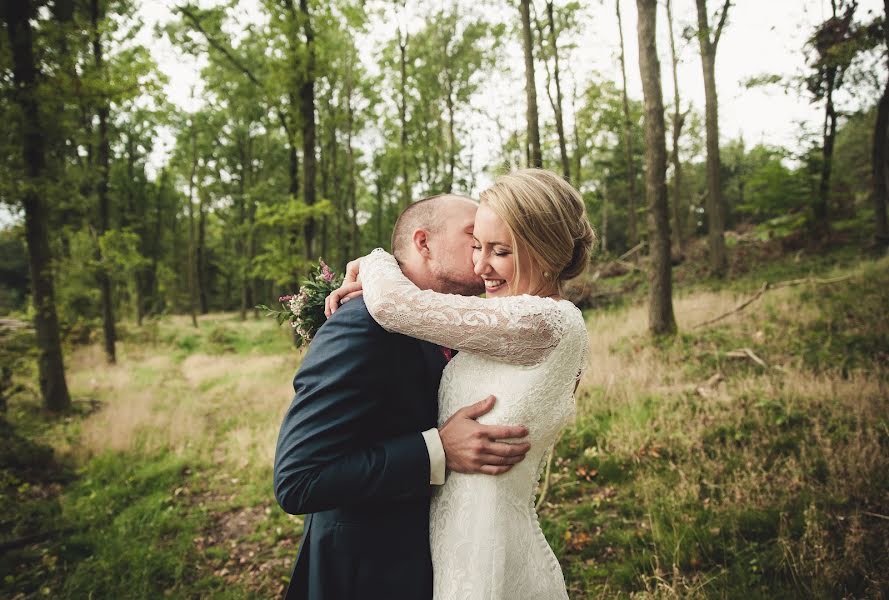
[{"x": 583, "y": 249}]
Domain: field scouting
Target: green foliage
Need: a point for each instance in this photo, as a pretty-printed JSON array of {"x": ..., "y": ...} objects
[
  {"x": 851, "y": 329},
  {"x": 14, "y": 275},
  {"x": 770, "y": 188},
  {"x": 17, "y": 353},
  {"x": 77, "y": 294},
  {"x": 601, "y": 131}
]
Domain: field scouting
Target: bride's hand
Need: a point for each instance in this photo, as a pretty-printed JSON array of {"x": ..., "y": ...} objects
[{"x": 350, "y": 288}]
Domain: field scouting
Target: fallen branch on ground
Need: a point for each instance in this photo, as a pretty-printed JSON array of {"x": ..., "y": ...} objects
[
  {"x": 631, "y": 252},
  {"x": 870, "y": 514},
  {"x": 747, "y": 353},
  {"x": 772, "y": 286},
  {"x": 708, "y": 390},
  {"x": 621, "y": 261}
]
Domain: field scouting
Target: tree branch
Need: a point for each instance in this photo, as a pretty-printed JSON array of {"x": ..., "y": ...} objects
[
  {"x": 282, "y": 117},
  {"x": 772, "y": 286},
  {"x": 721, "y": 24},
  {"x": 218, "y": 46}
]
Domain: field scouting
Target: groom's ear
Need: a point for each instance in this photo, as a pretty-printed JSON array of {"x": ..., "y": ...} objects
[{"x": 420, "y": 241}]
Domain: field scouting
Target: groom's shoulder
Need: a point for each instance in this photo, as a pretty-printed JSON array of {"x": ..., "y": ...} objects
[{"x": 352, "y": 316}]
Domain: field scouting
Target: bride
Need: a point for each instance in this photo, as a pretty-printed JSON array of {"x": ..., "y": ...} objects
[{"x": 523, "y": 343}]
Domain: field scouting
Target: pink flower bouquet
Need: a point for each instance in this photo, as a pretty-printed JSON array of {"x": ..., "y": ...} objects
[{"x": 305, "y": 310}]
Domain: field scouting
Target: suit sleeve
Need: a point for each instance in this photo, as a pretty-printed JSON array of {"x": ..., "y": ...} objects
[{"x": 323, "y": 459}]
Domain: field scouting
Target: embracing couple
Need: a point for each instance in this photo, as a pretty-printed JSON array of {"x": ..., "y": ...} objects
[{"x": 423, "y": 413}]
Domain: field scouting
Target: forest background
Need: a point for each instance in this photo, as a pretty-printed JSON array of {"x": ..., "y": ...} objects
[{"x": 165, "y": 167}]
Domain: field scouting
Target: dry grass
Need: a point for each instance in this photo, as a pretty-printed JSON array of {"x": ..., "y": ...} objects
[{"x": 222, "y": 407}]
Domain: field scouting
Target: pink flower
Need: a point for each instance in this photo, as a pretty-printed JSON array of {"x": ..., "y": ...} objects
[
  {"x": 284, "y": 299},
  {"x": 326, "y": 273}
]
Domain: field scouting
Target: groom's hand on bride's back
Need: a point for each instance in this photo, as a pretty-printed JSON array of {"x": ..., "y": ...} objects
[{"x": 471, "y": 447}]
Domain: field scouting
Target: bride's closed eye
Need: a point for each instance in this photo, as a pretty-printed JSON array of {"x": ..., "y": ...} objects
[{"x": 497, "y": 252}]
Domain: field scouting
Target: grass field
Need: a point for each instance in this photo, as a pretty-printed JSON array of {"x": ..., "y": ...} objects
[{"x": 746, "y": 458}]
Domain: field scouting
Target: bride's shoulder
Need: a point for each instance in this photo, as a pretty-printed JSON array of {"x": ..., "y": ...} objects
[{"x": 572, "y": 313}]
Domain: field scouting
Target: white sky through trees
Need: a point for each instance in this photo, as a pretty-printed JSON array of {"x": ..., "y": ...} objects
[{"x": 761, "y": 37}]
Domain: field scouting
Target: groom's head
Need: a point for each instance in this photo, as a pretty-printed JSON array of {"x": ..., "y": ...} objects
[{"x": 432, "y": 242}]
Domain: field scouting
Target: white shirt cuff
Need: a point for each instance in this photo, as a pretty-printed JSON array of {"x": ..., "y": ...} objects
[{"x": 437, "y": 461}]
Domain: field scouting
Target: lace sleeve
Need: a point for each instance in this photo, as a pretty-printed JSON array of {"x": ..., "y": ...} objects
[{"x": 521, "y": 330}]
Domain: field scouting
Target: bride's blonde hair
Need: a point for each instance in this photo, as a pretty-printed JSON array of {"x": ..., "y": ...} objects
[{"x": 548, "y": 217}]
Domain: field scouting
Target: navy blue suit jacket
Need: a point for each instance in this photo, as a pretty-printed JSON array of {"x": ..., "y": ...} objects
[{"x": 350, "y": 455}]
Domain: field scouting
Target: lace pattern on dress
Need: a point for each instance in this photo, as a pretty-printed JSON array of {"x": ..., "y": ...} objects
[{"x": 519, "y": 330}]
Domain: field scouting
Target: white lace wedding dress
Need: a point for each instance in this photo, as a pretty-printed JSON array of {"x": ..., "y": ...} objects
[{"x": 528, "y": 351}]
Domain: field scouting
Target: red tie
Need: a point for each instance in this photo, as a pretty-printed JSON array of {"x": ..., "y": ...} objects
[{"x": 448, "y": 353}]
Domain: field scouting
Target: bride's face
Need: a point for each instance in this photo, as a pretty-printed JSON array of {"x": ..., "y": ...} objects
[{"x": 494, "y": 256}]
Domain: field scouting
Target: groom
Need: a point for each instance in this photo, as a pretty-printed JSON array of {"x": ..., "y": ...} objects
[{"x": 358, "y": 451}]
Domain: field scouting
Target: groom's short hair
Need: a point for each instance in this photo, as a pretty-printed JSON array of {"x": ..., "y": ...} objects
[{"x": 422, "y": 214}]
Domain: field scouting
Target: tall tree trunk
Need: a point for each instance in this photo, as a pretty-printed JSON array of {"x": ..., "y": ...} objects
[
  {"x": 289, "y": 124},
  {"x": 678, "y": 122},
  {"x": 604, "y": 223},
  {"x": 560, "y": 126},
  {"x": 292, "y": 154},
  {"x": 157, "y": 243},
  {"x": 549, "y": 76},
  {"x": 379, "y": 193},
  {"x": 350, "y": 160},
  {"x": 402, "y": 114},
  {"x": 140, "y": 273},
  {"x": 880, "y": 160},
  {"x": 451, "y": 34},
  {"x": 820, "y": 223},
  {"x": 252, "y": 289},
  {"x": 577, "y": 149},
  {"x": 307, "y": 111},
  {"x": 104, "y": 157},
  {"x": 628, "y": 137},
  {"x": 240, "y": 243},
  {"x": 660, "y": 299},
  {"x": 341, "y": 244},
  {"x": 534, "y": 156},
  {"x": 452, "y": 143},
  {"x": 324, "y": 169},
  {"x": 716, "y": 211},
  {"x": 201, "y": 253},
  {"x": 50, "y": 365},
  {"x": 192, "y": 266}
]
